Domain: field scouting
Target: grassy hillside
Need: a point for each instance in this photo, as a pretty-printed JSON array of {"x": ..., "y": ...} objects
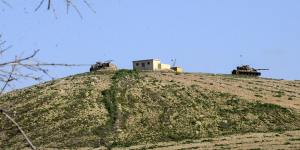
[{"x": 129, "y": 108}]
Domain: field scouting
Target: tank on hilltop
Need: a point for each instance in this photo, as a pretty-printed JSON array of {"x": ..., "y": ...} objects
[
  {"x": 247, "y": 70},
  {"x": 103, "y": 66}
]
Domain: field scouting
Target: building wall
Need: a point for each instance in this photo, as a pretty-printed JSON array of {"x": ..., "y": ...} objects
[
  {"x": 164, "y": 66},
  {"x": 150, "y": 64},
  {"x": 156, "y": 64}
]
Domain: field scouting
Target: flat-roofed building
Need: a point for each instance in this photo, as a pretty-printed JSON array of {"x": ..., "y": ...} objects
[{"x": 150, "y": 64}]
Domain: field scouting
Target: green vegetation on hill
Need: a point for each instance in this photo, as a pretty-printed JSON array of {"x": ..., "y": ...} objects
[{"x": 127, "y": 108}]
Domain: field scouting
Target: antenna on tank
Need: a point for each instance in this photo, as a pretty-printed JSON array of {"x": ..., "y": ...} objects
[
  {"x": 241, "y": 58},
  {"x": 174, "y": 62}
]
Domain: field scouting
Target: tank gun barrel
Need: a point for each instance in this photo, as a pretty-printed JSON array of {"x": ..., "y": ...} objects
[{"x": 262, "y": 69}]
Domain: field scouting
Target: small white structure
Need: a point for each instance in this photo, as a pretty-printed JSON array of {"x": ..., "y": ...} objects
[{"x": 151, "y": 65}]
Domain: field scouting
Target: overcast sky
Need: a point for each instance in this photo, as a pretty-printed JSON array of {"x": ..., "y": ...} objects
[{"x": 211, "y": 36}]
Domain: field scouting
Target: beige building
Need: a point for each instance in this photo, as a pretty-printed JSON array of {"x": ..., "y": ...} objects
[
  {"x": 150, "y": 64},
  {"x": 177, "y": 69}
]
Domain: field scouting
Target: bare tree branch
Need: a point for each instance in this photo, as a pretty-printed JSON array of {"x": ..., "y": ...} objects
[
  {"x": 69, "y": 3},
  {"x": 40, "y": 5},
  {"x": 75, "y": 7},
  {"x": 19, "y": 128},
  {"x": 89, "y": 6},
  {"x": 18, "y": 61},
  {"x": 9, "y": 79},
  {"x": 49, "y": 4},
  {"x": 6, "y": 3},
  {"x": 15, "y": 69}
]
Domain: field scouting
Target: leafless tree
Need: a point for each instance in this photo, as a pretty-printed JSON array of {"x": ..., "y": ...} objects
[
  {"x": 16, "y": 69},
  {"x": 50, "y": 5},
  {"x": 68, "y": 3},
  {"x": 9, "y": 73}
]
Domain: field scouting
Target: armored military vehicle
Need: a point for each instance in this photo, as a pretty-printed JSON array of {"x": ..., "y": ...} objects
[
  {"x": 247, "y": 70},
  {"x": 107, "y": 65}
]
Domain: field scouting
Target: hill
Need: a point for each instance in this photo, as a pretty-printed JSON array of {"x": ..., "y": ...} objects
[{"x": 129, "y": 108}]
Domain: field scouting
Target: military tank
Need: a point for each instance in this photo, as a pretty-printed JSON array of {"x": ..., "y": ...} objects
[
  {"x": 247, "y": 70},
  {"x": 103, "y": 66}
]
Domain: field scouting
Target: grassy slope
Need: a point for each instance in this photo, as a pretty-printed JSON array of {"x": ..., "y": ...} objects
[
  {"x": 249, "y": 141},
  {"x": 128, "y": 108}
]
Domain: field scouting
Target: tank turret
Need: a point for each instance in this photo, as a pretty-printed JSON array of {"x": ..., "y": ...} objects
[
  {"x": 247, "y": 70},
  {"x": 103, "y": 66}
]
